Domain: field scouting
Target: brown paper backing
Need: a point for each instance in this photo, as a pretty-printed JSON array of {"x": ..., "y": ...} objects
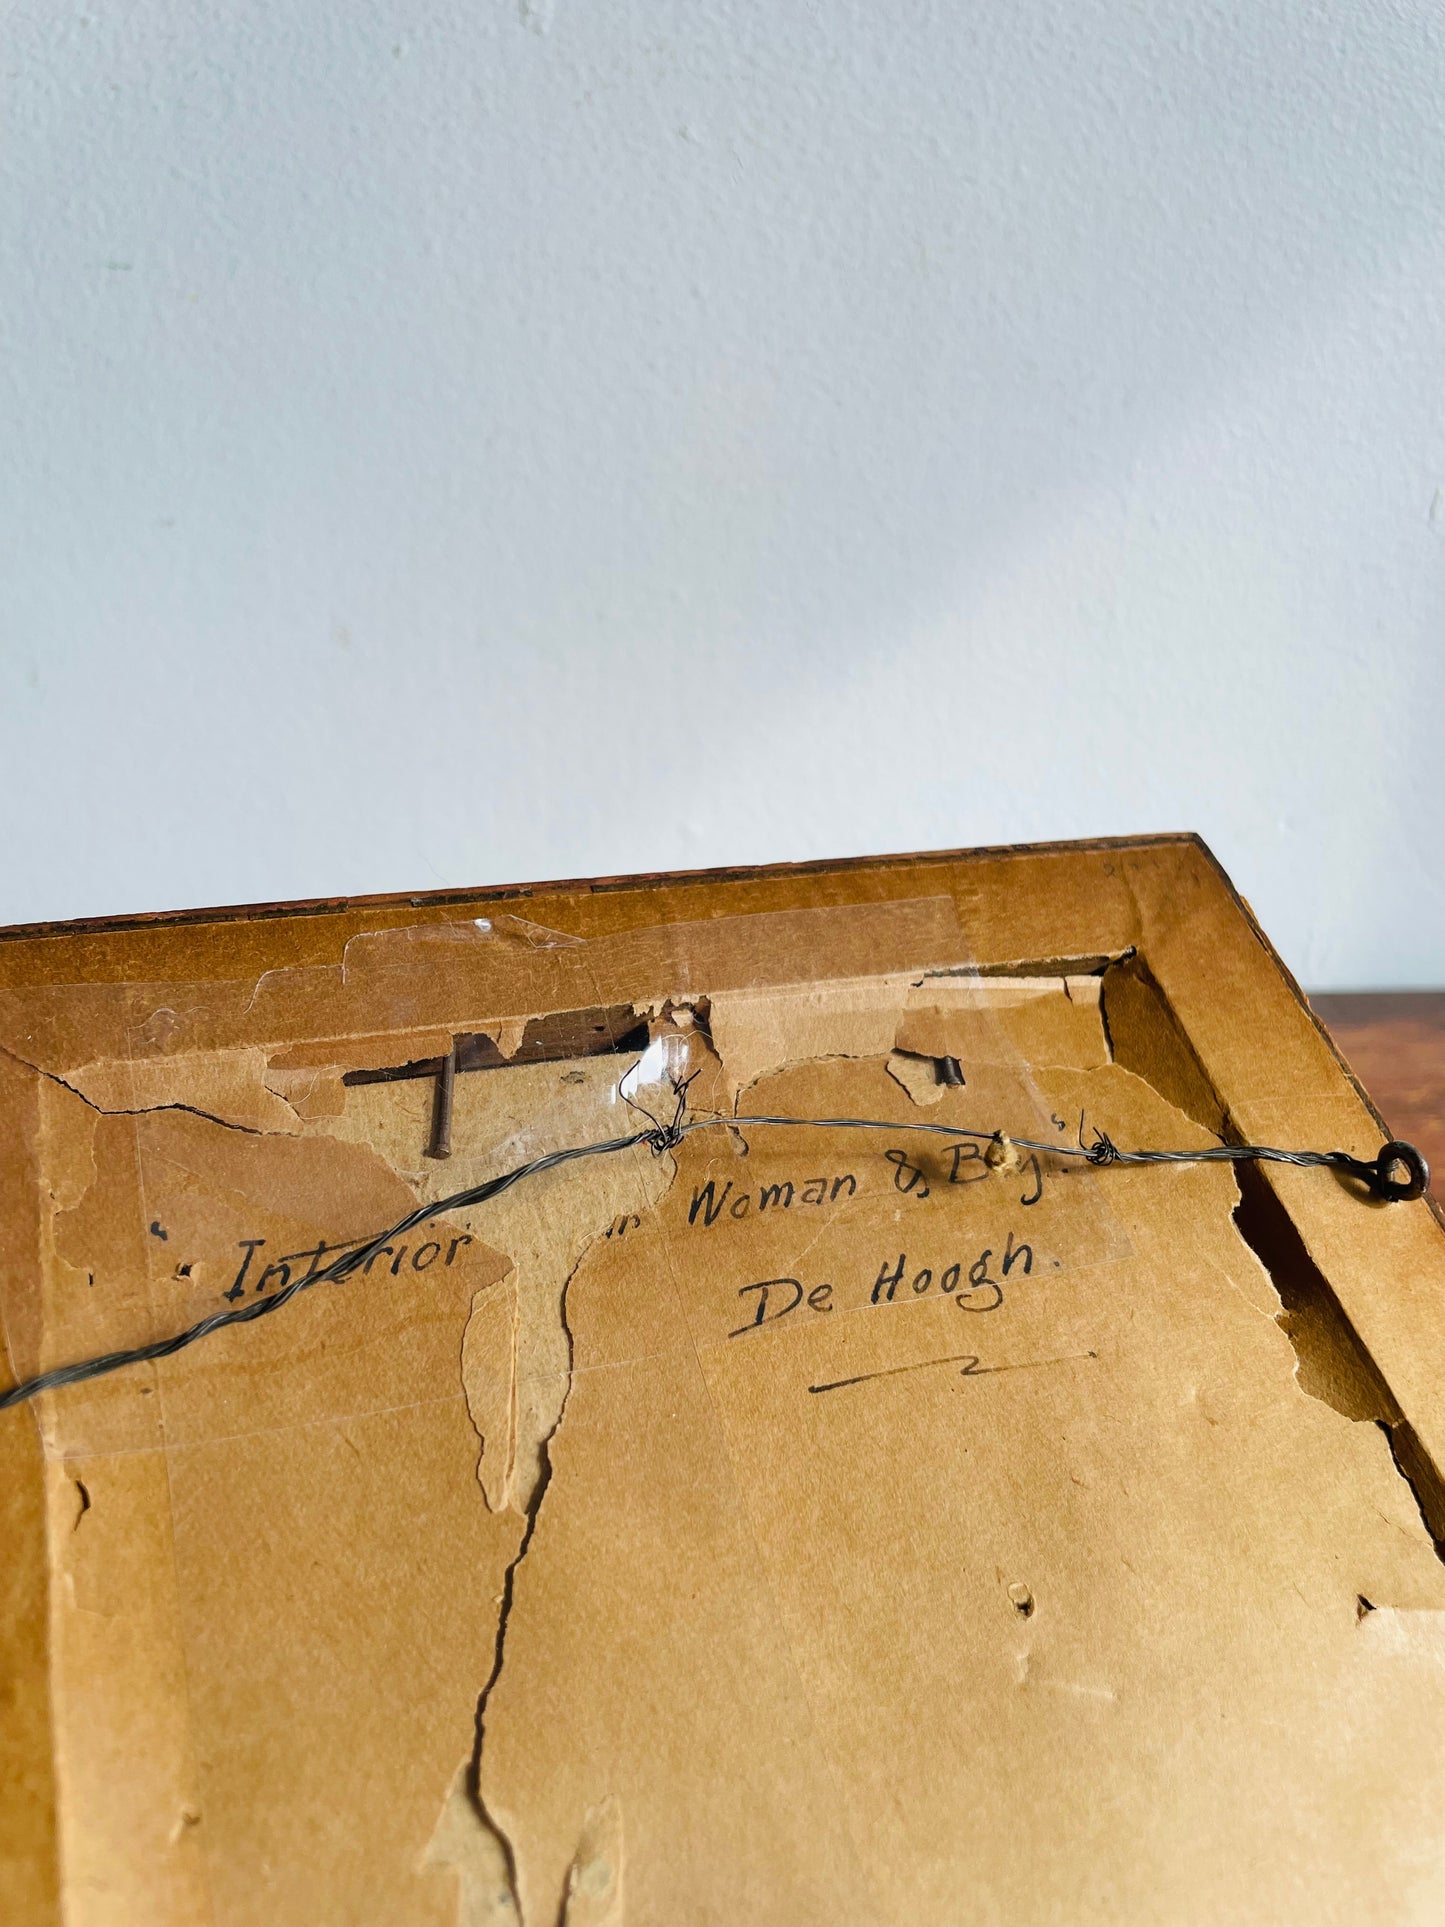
[{"x": 530, "y": 1578}]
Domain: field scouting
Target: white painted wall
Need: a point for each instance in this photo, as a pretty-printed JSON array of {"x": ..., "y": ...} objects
[{"x": 446, "y": 444}]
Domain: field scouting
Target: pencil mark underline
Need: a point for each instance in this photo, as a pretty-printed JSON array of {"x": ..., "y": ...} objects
[{"x": 968, "y": 1360}]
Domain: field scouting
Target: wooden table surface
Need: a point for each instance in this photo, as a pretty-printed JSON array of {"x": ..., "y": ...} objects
[{"x": 1394, "y": 1042}]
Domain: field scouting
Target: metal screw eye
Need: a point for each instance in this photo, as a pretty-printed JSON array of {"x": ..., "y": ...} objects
[{"x": 1400, "y": 1190}]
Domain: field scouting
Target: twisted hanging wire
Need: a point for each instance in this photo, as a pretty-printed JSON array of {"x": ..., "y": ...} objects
[{"x": 660, "y": 1137}]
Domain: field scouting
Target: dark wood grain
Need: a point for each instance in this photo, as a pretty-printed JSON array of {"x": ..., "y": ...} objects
[{"x": 1394, "y": 1042}]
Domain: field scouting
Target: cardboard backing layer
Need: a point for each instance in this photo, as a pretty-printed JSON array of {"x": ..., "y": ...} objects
[{"x": 787, "y": 1524}]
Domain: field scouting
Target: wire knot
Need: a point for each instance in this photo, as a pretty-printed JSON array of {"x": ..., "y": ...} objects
[
  {"x": 666, "y": 1137},
  {"x": 1103, "y": 1150}
]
